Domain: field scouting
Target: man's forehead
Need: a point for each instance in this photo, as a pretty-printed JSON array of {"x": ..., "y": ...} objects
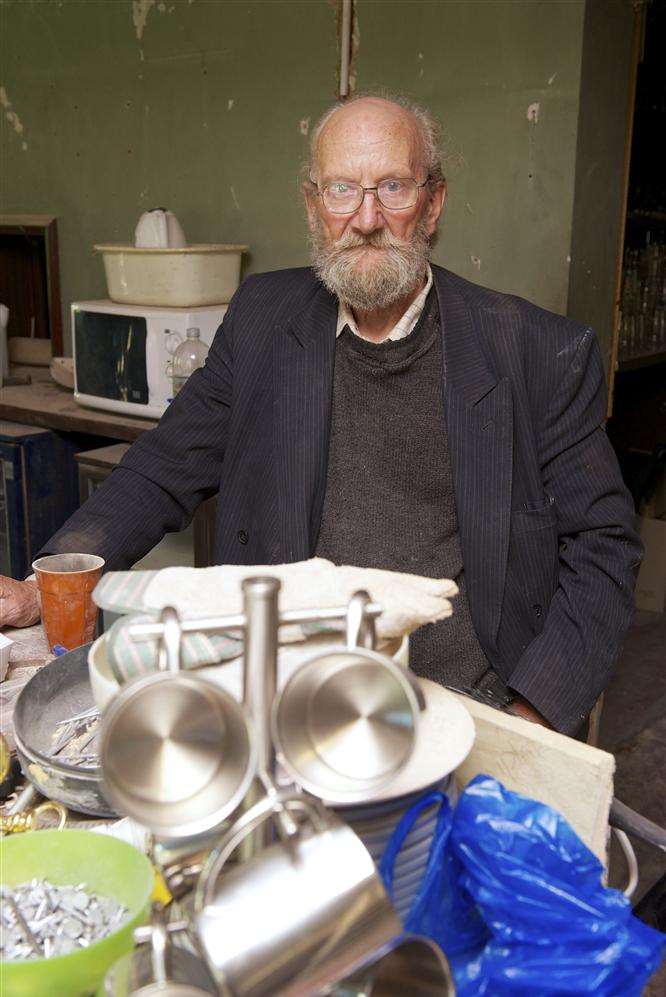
[{"x": 368, "y": 130}]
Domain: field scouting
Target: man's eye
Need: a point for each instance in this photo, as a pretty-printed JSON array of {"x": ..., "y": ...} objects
[
  {"x": 339, "y": 188},
  {"x": 392, "y": 186}
]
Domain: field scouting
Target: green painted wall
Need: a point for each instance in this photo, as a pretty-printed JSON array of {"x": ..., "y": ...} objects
[
  {"x": 116, "y": 107},
  {"x": 481, "y": 66}
]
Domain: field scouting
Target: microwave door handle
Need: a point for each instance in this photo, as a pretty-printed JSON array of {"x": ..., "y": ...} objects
[{"x": 122, "y": 365}]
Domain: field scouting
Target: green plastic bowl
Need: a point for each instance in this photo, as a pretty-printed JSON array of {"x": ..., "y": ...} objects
[{"x": 108, "y": 867}]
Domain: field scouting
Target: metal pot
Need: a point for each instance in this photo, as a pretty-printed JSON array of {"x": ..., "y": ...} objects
[
  {"x": 177, "y": 751},
  {"x": 297, "y": 916}
]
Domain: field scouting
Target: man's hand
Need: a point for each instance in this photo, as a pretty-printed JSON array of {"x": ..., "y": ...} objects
[
  {"x": 521, "y": 708},
  {"x": 19, "y": 603}
]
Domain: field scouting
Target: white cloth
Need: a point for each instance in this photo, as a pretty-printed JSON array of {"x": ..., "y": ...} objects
[
  {"x": 408, "y": 601},
  {"x": 402, "y": 328}
]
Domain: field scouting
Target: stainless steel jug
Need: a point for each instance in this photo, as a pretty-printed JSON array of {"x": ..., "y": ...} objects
[{"x": 299, "y": 915}]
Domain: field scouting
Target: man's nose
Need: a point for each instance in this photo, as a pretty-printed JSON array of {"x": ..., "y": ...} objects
[{"x": 369, "y": 217}]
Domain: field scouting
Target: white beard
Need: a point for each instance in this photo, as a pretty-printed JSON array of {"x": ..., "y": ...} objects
[{"x": 395, "y": 274}]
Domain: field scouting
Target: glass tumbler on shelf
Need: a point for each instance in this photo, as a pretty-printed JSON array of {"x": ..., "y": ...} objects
[{"x": 189, "y": 356}]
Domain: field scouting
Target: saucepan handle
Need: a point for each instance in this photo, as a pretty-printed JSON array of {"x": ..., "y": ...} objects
[
  {"x": 360, "y": 628},
  {"x": 265, "y": 809},
  {"x": 170, "y": 645},
  {"x": 361, "y": 633},
  {"x": 415, "y": 684}
]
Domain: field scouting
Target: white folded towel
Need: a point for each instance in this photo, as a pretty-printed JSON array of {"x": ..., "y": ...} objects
[{"x": 408, "y": 601}]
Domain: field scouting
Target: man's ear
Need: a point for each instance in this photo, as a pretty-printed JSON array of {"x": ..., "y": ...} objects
[
  {"x": 310, "y": 198},
  {"x": 435, "y": 207}
]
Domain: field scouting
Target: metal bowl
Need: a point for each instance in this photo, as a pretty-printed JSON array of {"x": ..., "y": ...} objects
[
  {"x": 57, "y": 691},
  {"x": 177, "y": 753},
  {"x": 345, "y": 723}
]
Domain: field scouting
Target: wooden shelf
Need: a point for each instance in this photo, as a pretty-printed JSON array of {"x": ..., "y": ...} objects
[
  {"x": 44, "y": 403},
  {"x": 634, "y": 363}
]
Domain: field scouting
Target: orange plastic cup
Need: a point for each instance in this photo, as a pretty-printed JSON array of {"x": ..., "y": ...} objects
[{"x": 66, "y": 583}]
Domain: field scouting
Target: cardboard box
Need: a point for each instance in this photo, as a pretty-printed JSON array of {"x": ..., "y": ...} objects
[
  {"x": 651, "y": 584},
  {"x": 573, "y": 778}
]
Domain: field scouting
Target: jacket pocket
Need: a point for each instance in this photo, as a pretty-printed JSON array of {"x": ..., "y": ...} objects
[{"x": 533, "y": 556}]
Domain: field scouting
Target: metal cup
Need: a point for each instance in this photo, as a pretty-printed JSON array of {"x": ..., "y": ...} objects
[
  {"x": 299, "y": 915},
  {"x": 346, "y": 723},
  {"x": 411, "y": 965},
  {"x": 177, "y": 751},
  {"x": 158, "y": 967}
]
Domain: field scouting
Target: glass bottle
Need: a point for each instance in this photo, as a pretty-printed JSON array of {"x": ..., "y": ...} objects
[{"x": 189, "y": 355}]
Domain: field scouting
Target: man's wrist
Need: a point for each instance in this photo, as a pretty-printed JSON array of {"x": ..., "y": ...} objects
[{"x": 520, "y": 707}]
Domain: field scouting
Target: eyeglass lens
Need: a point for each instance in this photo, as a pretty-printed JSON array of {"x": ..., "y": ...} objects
[{"x": 343, "y": 198}]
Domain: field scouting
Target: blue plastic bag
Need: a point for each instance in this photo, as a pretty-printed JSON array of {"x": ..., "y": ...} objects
[
  {"x": 509, "y": 876},
  {"x": 440, "y": 910}
]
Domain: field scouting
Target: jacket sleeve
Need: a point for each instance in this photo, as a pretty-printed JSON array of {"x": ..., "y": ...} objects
[
  {"x": 567, "y": 666},
  {"x": 164, "y": 475}
]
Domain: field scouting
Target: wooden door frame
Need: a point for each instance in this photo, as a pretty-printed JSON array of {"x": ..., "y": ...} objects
[
  {"x": 45, "y": 226},
  {"x": 636, "y": 55}
]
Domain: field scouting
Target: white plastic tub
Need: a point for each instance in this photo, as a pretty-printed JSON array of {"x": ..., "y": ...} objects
[{"x": 176, "y": 278}]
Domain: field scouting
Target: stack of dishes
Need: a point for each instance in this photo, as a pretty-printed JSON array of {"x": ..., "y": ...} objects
[
  {"x": 445, "y": 738},
  {"x": 375, "y": 823}
]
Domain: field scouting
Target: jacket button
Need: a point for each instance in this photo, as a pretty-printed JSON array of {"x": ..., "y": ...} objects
[
  {"x": 243, "y": 537},
  {"x": 537, "y": 611}
]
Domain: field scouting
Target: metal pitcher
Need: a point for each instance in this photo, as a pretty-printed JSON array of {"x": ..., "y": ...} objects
[{"x": 299, "y": 915}]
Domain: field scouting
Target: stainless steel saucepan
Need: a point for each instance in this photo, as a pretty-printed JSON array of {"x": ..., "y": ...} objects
[
  {"x": 177, "y": 751},
  {"x": 297, "y": 916},
  {"x": 346, "y": 722}
]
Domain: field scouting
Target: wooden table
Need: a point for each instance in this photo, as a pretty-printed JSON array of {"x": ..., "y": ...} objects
[{"x": 44, "y": 403}]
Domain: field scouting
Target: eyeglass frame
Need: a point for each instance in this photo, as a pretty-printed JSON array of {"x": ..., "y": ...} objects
[{"x": 365, "y": 190}]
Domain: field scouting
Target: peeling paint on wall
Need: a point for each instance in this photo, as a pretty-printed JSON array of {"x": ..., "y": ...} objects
[
  {"x": 476, "y": 261},
  {"x": 230, "y": 103},
  {"x": 140, "y": 12},
  {"x": 234, "y": 199},
  {"x": 533, "y": 113},
  {"x": 304, "y": 126},
  {"x": 11, "y": 116},
  {"x": 551, "y": 79}
]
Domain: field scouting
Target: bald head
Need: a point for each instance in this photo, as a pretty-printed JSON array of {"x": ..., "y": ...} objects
[{"x": 365, "y": 122}]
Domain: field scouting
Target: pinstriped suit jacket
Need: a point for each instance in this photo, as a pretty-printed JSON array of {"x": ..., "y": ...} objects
[{"x": 546, "y": 524}]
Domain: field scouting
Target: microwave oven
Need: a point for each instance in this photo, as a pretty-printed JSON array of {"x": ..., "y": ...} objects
[{"x": 123, "y": 353}]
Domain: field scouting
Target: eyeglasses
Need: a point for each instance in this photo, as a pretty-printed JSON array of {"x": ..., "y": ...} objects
[{"x": 343, "y": 198}]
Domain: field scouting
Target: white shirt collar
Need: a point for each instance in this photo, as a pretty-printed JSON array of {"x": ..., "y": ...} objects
[{"x": 402, "y": 328}]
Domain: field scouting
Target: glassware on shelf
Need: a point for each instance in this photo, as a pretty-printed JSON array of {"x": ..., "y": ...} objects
[{"x": 643, "y": 302}]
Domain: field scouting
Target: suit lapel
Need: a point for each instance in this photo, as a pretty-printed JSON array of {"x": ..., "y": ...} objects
[
  {"x": 479, "y": 416},
  {"x": 304, "y": 351}
]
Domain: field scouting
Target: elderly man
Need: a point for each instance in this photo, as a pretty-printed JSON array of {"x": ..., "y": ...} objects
[{"x": 381, "y": 411}]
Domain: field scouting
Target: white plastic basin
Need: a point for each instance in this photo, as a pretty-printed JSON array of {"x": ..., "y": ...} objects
[{"x": 175, "y": 277}]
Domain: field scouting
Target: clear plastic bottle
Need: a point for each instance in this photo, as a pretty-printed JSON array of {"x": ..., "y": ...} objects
[{"x": 188, "y": 356}]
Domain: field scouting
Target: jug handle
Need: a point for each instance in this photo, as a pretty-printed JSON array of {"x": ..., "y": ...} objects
[{"x": 248, "y": 822}]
